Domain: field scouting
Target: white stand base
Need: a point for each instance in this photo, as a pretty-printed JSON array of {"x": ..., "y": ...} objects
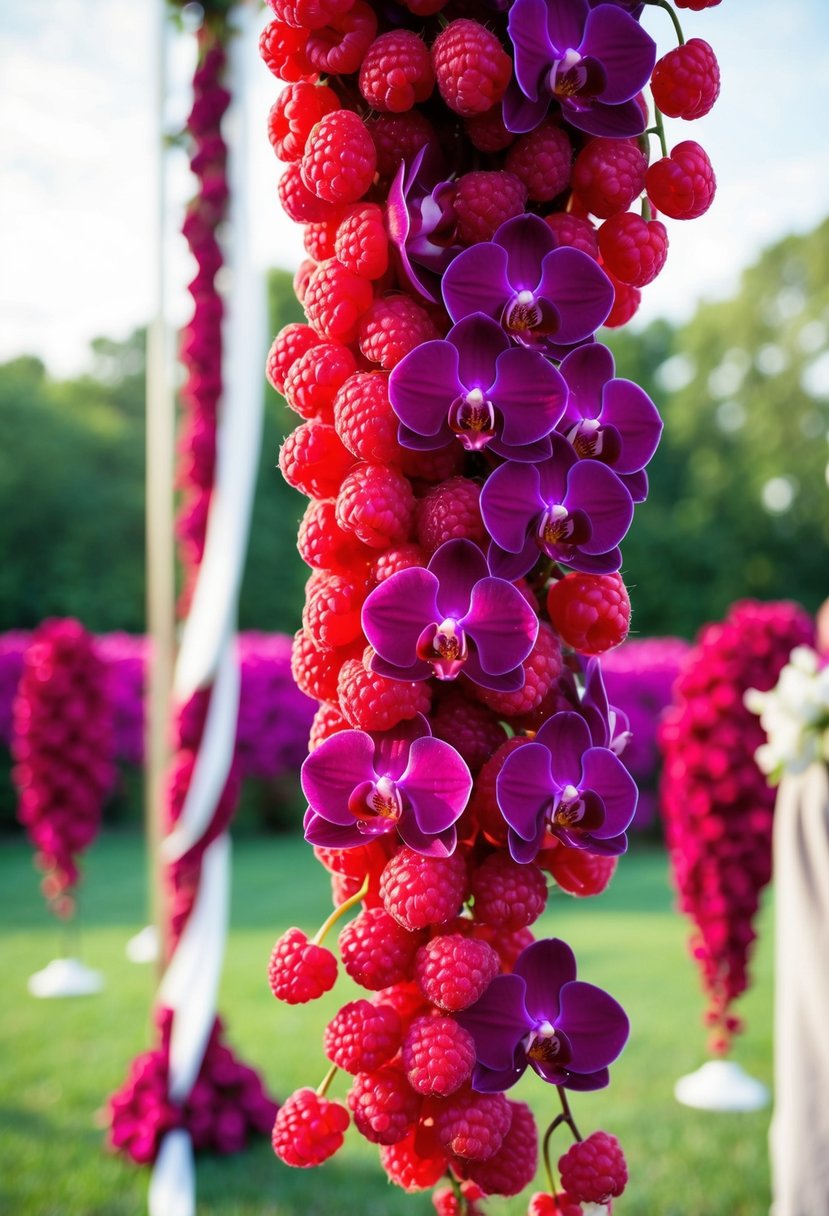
[
  {"x": 721, "y": 1085},
  {"x": 65, "y": 977},
  {"x": 143, "y": 947}
]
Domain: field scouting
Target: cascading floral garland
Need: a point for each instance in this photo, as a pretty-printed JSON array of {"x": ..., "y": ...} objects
[
  {"x": 62, "y": 746},
  {"x": 716, "y": 804},
  {"x": 465, "y": 442}
]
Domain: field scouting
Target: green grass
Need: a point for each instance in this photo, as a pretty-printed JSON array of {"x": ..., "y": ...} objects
[{"x": 62, "y": 1058}]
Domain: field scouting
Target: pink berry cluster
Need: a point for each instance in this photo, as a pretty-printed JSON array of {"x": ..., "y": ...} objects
[
  {"x": 226, "y": 1106},
  {"x": 62, "y": 749},
  {"x": 716, "y": 804}
]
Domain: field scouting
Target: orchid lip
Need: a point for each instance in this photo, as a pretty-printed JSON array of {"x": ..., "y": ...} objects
[
  {"x": 472, "y": 418},
  {"x": 444, "y": 647},
  {"x": 570, "y": 807},
  {"x": 523, "y": 312},
  {"x": 376, "y": 800},
  {"x": 542, "y": 1043}
]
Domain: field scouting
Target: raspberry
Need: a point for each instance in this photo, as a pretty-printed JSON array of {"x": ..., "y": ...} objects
[
  {"x": 508, "y": 895},
  {"x": 339, "y": 161},
  {"x": 290, "y": 343},
  {"x": 398, "y": 137},
  {"x": 508, "y": 944},
  {"x": 472, "y": 69},
  {"x": 338, "y": 48},
  {"x": 446, "y": 1202},
  {"x": 376, "y": 951},
  {"x": 633, "y": 249},
  {"x": 432, "y": 467},
  {"x": 361, "y": 244},
  {"x": 483, "y": 806},
  {"x": 484, "y": 200},
  {"x": 405, "y": 998},
  {"x": 438, "y": 1055},
  {"x": 307, "y": 14},
  {"x": 542, "y": 1203},
  {"x": 327, "y": 721},
  {"x": 683, "y": 184},
  {"x": 300, "y": 971},
  {"x": 308, "y": 1129},
  {"x": 373, "y": 702},
  {"x": 335, "y": 300},
  {"x": 362, "y": 1036},
  {"x": 454, "y": 970},
  {"x": 513, "y": 1166},
  {"x": 470, "y": 727},
  {"x": 297, "y": 108},
  {"x": 609, "y": 174},
  {"x": 487, "y": 132},
  {"x": 321, "y": 542},
  {"x": 314, "y": 461},
  {"x": 590, "y": 611},
  {"x": 383, "y": 1104},
  {"x": 542, "y": 160},
  {"x": 577, "y": 871},
  {"x": 315, "y": 671},
  {"x": 396, "y": 73},
  {"x": 320, "y": 238},
  {"x": 331, "y": 615},
  {"x": 594, "y": 1170},
  {"x": 364, "y": 419},
  {"x": 419, "y": 891},
  {"x": 284, "y": 52},
  {"x": 686, "y": 81},
  {"x": 626, "y": 300},
  {"x": 298, "y": 202},
  {"x": 572, "y": 230},
  {"x": 473, "y": 1125},
  {"x": 450, "y": 510},
  {"x": 377, "y": 505},
  {"x": 392, "y": 327},
  {"x": 302, "y": 277},
  {"x": 408, "y": 1168},
  {"x": 697, "y": 5},
  {"x": 314, "y": 379},
  {"x": 541, "y": 670},
  {"x": 401, "y": 557}
]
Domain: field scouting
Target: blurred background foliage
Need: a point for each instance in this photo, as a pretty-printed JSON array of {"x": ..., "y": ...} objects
[{"x": 738, "y": 502}]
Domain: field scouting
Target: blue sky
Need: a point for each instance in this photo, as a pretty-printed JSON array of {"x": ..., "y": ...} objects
[{"x": 77, "y": 163}]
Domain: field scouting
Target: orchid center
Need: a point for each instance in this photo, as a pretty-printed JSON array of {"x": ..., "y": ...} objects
[
  {"x": 556, "y": 525},
  {"x": 376, "y": 805},
  {"x": 592, "y": 441},
  {"x": 569, "y": 809},
  {"x": 523, "y": 312},
  {"x": 543, "y": 1044},
  {"x": 573, "y": 76},
  {"x": 472, "y": 418},
  {"x": 444, "y": 646}
]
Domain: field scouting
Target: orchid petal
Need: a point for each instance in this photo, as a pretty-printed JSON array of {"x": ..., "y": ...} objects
[
  {"x": 527, "y": 240},
  {"x": 437, "y": 783},
  {"x": 502, "y": 624},
  {"x": 524, "y": 788},
  {"x": 595, "y": 489},
  {"x": 512, "y": 566},
  {"x": 602, "y": 563},
  {"x": 545, "y": 966},
  {"x": 423, "y": 386},
  {"x": 566, "y": 737},
  {"x": 391, "y": 747},
  {"x": 534, "y": 54},
  {"x": 477, "y": 282},
  {"x": 565, "y": 23},
  {"x": 442, "y": 844},
  {"x": 610, "y": 122},
  {"x": 525, "y": 851},
  {"x": 330, "y": 774},
  {"x": 579, "y": 289},
  {"x": 508, "y": 681},
  {"x": 510, "y": 500},
  {"x": 479, "y": 341},
  {"x": 410, "y": 439},
  {"x": 625, "y": 50},
  {"x": 521, "y": 113},
  {"x": 552, "y": 474},
  {"x": 496, "y": 1080},
  {"x": 606, "y": 775},
  {"x": 586, "y": 370},
  {"x": 327, "y": 835},
  {"x": 408, "y": 672},
  {"x": 497, "y": 1022},
  {"x": 636, "y": 485},
  {"x": 587, "y": 1081},
  {"x": 530, "y": 393},
  {"x": 397, "y": 611},
  {"x": 596, "y": 1025},
  {"x": 629, "y": 408},
  {"x": 457, "y": 565}
]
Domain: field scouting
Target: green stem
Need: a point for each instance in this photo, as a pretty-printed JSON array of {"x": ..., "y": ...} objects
[
  {"x": 339, "y": 911},
  {"x": 669, "y": 10},
  {"x": 567, "y": 1114},
  {"x": 322, "y": 1088},
  {"x": 658, "y": 129}
]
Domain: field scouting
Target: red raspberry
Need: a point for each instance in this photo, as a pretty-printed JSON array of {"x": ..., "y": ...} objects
[
  {"x": 626, "y": 300},
  {"x": 314, "y": 461},
  {"x": 315, "y": 671},
  {"x": 574, "y": 231},
  {"x": 392, "y": 327},
  {"x": 454, "y": 970},
  {"x": 433, "y": 467},
  {"x": 487, "y": 132},
  {"x": 327, "y": 721},
  {"x": 377, "y": 505},
  {"x": 300, "y": 971},
  {"x": 472, "y": 69},
  {"x": 362, "y": 1036},
  {"x": 307, "y": 14},
  {"x": 320, "y": 239},
  {"x": 609, "y": 174},
  {"x": 513, "y": 1166},
  {"x": 361, "y": 243},
  {"x": 483, "y": 806},
  {"x": 406, "y": 998},
  {"x": 331, "y": 615},
  {"x": 408, "y": 1168},
  {"x": 683, "y": 184},
  {"x": 543, "y": 1204},
  {"x": 383, "y": 1104},
  {"x": 308, "y": 1129},
  {"x": 450, "y": 510},
  {"x": 364, "y": 419},
  {"x": 297, "y": 108},
  {"x": 542, "y": 160},
  {"x": 335, "y": 300},
  {"x": 339, "y": 161},
  {"x": 590, "y": 611},
  {"x": 446, "y": 1202},
  {"x": 697, "y": 5},
  {"x": 541, "y": 670},
  {"x": 473, "y": 1125},
  {"x": 470, "y": 727},
  {"x": 396, "y": 73},
  {"x": 401, "y": 557},
  {"x": 338, "y": 48},
  {"x": 284, "y": 52},
  {"x": 508, "y": 895},
  {"x": 314, "y": 379},
  {"x": 594, "y": 1170},
  {"x": 508, "y": 944},
  {"x": 290, "y": 343},
  {"x": 398, "y": 137},
  {"x": 484, "y": 200},
  {"x": 322, "y": 543},
  {"x": 302, "y": 278},
  {"x": 373, "y": 702},
  {"x": 577, "y": 871},
  {"x": 298, "y": 202},
  {"x": 438, "y": 1055},
  {"x": 632, "y": 248},
  {"x": 686, "y": 81},
  {"x": 418, "y": 890},
  {"x": 376, "y": 951}
]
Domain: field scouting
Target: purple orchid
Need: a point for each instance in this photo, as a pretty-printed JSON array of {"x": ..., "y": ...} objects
[
  {"x": 476, "y": 385},
  {"x": 592, "y": 60},
  {"x": 552, "y": 298},
  {"x": 540, "y": 1015},
  {"x": 362, "y": 785},
  {"x": 450, "y": 618},
  {"x": 609, "y": 419},
  {"x": 564, "y": 784},
  {"x": 421, "y": 220},
  {"x": 608, "y": 726},
  {"x": 575, "y": 511}
]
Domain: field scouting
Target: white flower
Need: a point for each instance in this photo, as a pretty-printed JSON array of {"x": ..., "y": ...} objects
[{"x": 794, "y": 715}]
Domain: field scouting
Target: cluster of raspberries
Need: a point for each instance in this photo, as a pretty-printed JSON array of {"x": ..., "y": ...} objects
[
  {"x": 62, "y": 747},
  {"x": 716, "y": 804},
  {"x": 464, "y": 183}
]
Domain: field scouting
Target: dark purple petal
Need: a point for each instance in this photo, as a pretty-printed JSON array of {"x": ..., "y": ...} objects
[
  {"x": 612, "y": 847},
  {"x": 527, "y": 240},
  {"x": 479, "y": 341},
  {"x": 579, "y": 289},
  {"x": 607, "y": 776},
  {"x": 524, "y": 788},
  {"x": 457, "y": 565},
  {"x": 520, "y": 113},
  {"x": 437, "y": 783},
  {"x": 498, "y": 1022},
  {"x": 510, "y": 500},
  {"x": 626, "y": 52},
  {"x": 509, "y": 681},
  {"x": 629, "y": 408},
  {"x": 596, "y": 1025},
  {"x": 441, "y": 845},
  {"x": 502, "y": 625},
  {"x": 586, "y": 370},
  {"x": 425, "y": 443},
  {"x": 552, "y": 474},
  {"x": 610, "y": 122},
  {"x": 566, "y": 737},
  {"x": 331, "y": 773},
  {"x": 534, "y": 54},
  {"x": 419, "y": 670},
  {"x": 477, "y": 282},
  {"x": 334, "y": 836},
  {"x": 586, "y": 1081},
  {"x": 525, "y": 851},
  {"x": 595, "y": 489},
  {"x": 526, "y": 453},
  {"x": 423, "y": 386},
  {"x": 391, "y": 747},
  {"x": 594, "y": 707},
  {"x": 545, "y": 966},
  {"x": 565, "y": 23},
  {"x": 495, "y": 1081},
  {"x": 397, "y": 611},
  {"x": 636, "y": 484},
  {"x": 602, "y": 563},
  {"x": 514, "y": 565},
  {"x": 530, "y": 394}
]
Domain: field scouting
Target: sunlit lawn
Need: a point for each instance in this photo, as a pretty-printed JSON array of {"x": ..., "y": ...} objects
[{"x": 61, "y": 1058}]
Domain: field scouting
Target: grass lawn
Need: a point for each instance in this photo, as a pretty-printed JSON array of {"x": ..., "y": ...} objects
[{"x": 62, "y": 1058}]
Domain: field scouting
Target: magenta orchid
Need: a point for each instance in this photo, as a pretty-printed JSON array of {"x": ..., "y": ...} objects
[
  {"x": 421, "y": 222},
  {"x": 476, "y": 385},
  {"x": 361, "y": 785},
  {"x": 451, "y": 617}
]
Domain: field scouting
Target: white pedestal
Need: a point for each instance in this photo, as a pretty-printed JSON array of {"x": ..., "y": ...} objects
[
  {"x": 143, "y": 946},
  {"x": 721, "y": 1085},
  {"x": 65, "y": 977}
]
